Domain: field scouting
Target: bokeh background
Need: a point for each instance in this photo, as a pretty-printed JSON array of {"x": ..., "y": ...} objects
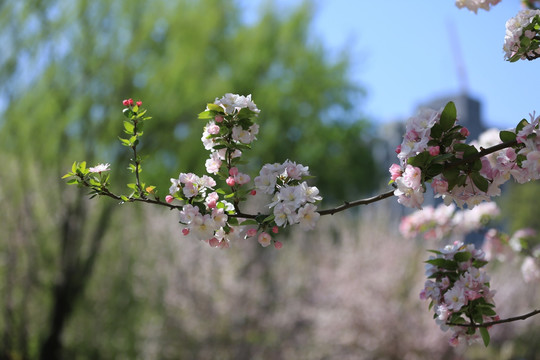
[{"x": 92, "y": 279}]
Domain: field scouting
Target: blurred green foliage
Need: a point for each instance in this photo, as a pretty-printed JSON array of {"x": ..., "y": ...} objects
[{"x": 64, "y": 70}]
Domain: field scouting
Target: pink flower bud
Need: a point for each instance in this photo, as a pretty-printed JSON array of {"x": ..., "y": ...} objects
[
  {"x": 218, "y": 119},
  {"x": 253, "y": 192},
  {"x": 398, "y": 149},
  {"x": 233, "y": 171},
  {"x": 251, "y": 232},
  {"x": 212, "y": 204},
  {"x": 275, "y": 229},
  {"x": 169, "y": 199},
  {"x": 185, "y": 231},
  {"x": 395, "y": 171},
  {"x": 125, "y": 102},
  {"x": 278, "y": 245},
  {"x": 230, "y": 181},
  {"x": 139, "y": 103},
  {"x": 434, "y": 150},
  {"x": 130, "y": 101},
  {"x": 464, "y": 131}
]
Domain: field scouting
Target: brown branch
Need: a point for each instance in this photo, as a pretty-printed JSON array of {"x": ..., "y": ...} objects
[
  {"x": 483, "y": 152},
  {"x": 495, "y": 322},
  {"x": 346, "y": 205}
]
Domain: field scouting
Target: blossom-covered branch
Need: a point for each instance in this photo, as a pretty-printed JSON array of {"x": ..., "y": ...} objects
[{"x": 496, "y": 322}]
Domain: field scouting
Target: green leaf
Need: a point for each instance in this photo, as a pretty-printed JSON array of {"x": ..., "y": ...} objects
[
  {"x": 485, "y": 336},
  {"x": 507, "y": 136},
  {"x": 462, "y": 256},
  {"x": 72, "y": 182},
  {"x": 448, "y": 116},
  {"x": 128, "y": 126},
  {"x": 443, "y": 263},
  {"x": 451, "y": 175},
  {"x": 205, "y": 115},
  {"x": 436, "y": 131},
  {"x": 249, "y": 222},
  {"x": 486, "y": 310},
  {"x": 419, "y": 160},
  {"x": 521, "y": 125},
  {"x": 214, "y": 107},
  {"x": 479, "y": 263},
  {"x": 479, "y": 181}
]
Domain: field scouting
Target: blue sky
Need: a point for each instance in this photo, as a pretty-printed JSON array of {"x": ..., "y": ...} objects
[{"x": 403, "y": 56}]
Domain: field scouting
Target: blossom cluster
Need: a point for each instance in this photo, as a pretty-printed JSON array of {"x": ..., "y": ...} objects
[
  {"x": 230, "y": 129},
  {"x": 436, "y": 223},
  {"x": 204, "y": 214},
  {"x": 522, "y": 39},
  {"x": 433, "y": 150},
  {"x": 459, "y": 291},
  {"x": 293, "y": 199},
  {"x": 474, "y": 5},
  {"x": 502, "y": 247}
]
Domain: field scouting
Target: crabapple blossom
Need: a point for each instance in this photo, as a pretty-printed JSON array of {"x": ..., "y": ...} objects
[
  {"x": 530, "y": 269},
  {"x": 459, "y": 290},
  {"x": 264, "y": 239},
  {"x": 474, "y": 5},
  {"x": 100, "y": 168},
  {"x": 233, "y": 103},
  {"x": 521, "y": 40},
  {"x": 308, "y": 216}
]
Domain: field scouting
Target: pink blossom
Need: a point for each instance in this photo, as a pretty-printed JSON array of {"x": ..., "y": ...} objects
[
  {"x": 139, "y": 103},
  {"x": 230, "y": 181},
  {"x": 395, "y": 171},
  {"x": 264, "y": 239},
  {"x": 275, "y": 229},
  {"x": 434, "y": 150},
  {"x": 440, "y": 186},
  {"x": 278, "y": 245},
  {"x": 218, "y": 118},
  {"x": 185, "y": 231},
  {"x": 251, "y": 232},
  {"x": 213, "y": 242},
  {"x": 213, "y": 129},
  {"x": 464, "y": 131},
  {"x": 169, "y": 199},
  {"x": 233, "y": 171},
  {"x": 242, "y": 179}
]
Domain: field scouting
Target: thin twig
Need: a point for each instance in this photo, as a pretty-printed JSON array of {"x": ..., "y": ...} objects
[{"x": 495, "y": 322}]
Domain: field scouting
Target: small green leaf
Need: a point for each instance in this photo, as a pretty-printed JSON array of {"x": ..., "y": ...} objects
[
  {"x": 128, "y": 126},
  {"x": 485, "y": 336},
  {"x": 507, "y": 136},
  {"x": 214, "y": 107},
  {"x": 521, "y": 125},
  {"x": 448, "y": 116},
  {"x": 205, "y": 115},
  {"x": 443, "y": 263},
  {"x": 436, "y": 131},
  {"x": 462, "y": 256},
  {"x": 479, "y": 181},
  {"x": 72, "y": 182}
]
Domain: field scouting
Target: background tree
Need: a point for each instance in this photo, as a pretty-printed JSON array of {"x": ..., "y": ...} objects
[{"x": 65, "y": 69}]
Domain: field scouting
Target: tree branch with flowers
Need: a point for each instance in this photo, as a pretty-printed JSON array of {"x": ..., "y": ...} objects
[{"x": 434, "y": 152}]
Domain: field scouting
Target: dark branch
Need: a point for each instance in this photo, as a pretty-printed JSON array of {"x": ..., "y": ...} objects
[
  {"x": 346, "y": 205},
  {"x": 495, "y": 322}
]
